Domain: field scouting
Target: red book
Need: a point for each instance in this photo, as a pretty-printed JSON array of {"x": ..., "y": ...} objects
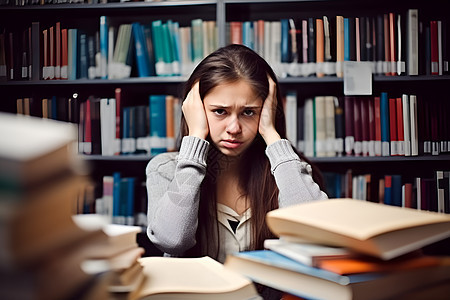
[
  {"x": 118, "y": 95},
  {"x": 393, "y": 126},
  {"x": 64, "y": 54},
  {"x": 434, "y": 48},
  {"x": 236, "y": 32},
  {"x": 51, "y": 53},
  {"x": 377, "y": 128},
  {"x": 407, "y": 195},
  {"x": 45, "y": 54},
  {"x": 400, "y": 130},
  {"x": 58, "y": 51}
]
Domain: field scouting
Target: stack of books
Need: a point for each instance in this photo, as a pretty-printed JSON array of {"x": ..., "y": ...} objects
[
  {"x": 117, "y": 255},
  {"x": 350, "y": 249},
  {"x": 43, "y": 250}
]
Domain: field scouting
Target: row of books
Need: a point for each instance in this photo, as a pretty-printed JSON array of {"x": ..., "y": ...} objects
[
  {"x": 115, "y": 51},
  {"x": 108, "y": 128},
  {"x": 422, "y": 193},
  {"x": 395, "y": 43},
  {"x": 123, "y": 200},
  {"x": 64, "y": 256},
  {"x": 350, "y": 249},
  {"x": 383, "y": 125}
]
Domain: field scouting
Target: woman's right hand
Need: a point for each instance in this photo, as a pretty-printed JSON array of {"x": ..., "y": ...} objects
[{"x": 194, "y": 113}]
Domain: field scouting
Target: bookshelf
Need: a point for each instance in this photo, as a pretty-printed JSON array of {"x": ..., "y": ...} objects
[{"x": 135, "y": 90}]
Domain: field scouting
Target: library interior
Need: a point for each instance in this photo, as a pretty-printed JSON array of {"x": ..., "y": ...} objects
[{"x": 94, "y": 126}]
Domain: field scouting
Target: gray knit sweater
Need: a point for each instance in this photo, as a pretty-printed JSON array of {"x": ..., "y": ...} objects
[{"x": 173, "y": 187}]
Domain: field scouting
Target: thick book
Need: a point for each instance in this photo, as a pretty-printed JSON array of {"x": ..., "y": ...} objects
[
  {"x": 33, "y": 150},
  {"x": 375, "y": 229},
  {"x": 191, "y": 278},
  {"x": 277, "y": 271}
]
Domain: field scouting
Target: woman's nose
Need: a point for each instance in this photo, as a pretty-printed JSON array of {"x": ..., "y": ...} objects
[{"x": 234, "y": 126}]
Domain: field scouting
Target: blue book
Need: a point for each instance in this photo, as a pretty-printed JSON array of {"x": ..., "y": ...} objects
[
  {"x": 158, "y": 133},
  {"x": 157, "y": 38},
  {"x": 83, "y": 57},
  {"x": 282, "y": 273},
  {"x": 285, "y": 41},
  {"x": 129, "y": 212},
  {"x": 384, "y": 122},
  {"x": 396, "y": 190},
  {"x": 103, "y": 47},
  {"x": 174, "y": 30},
  {"x": 247, "y": 34},
  {"x": 116, "y": 218},
  {"x": 388, "y": 189},
  {"x": 140, "y": 47},
  {"x": 346, "y": 40}
]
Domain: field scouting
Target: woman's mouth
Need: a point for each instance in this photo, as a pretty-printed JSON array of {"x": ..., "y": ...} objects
[{"x": 231, "y": 144}]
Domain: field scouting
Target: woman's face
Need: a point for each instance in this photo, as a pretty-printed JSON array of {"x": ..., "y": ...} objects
[{"x": 233, "y": 112}]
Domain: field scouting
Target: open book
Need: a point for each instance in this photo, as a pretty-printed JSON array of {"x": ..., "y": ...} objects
[
  {"x": 192, "y": 278},
  {"x": 379, "y": 230}
]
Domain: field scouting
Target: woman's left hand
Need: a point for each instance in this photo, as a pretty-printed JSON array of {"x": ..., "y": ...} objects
[{"x": 268, "y": 114}]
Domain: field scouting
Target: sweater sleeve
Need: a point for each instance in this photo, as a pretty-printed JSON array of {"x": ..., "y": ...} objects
[
  {"x": 173, "y": 189},
  {"x": 292, "y": 175}
]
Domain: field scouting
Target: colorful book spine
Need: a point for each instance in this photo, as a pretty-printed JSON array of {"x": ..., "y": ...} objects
[{"x": 158, "y": 130}]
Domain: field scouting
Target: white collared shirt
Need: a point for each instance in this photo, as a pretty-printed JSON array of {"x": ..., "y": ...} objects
[{"x": 232, "y": 240}]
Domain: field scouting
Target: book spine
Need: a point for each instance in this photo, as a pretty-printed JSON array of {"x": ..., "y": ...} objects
[
  {"x": 384, "y": 124},
  {"x": 158, "y": 131},
  {"x": 103, "y": 47}
]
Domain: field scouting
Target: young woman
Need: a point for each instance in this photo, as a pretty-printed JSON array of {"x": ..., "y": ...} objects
[{"x": 234, "y": 163}]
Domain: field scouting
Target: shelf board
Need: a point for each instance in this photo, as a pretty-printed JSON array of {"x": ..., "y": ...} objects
[
  {"x": 108, "y": 6},
  {"x": 375, "y": 159},
  {"x": 138, "y": 158},
  {"x": 181, "y": 79},
  {"x": 130, "y": 81},
  {"x": 318, "y": 160}
]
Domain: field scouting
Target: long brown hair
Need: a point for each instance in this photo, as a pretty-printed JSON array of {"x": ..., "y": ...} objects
[{"x": 227, "y": 65}]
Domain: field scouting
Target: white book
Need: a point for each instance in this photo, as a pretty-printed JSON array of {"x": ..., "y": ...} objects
[
  {"x": 309, "y": 128},
  {"x": 330, "y": 131},
  {"x": 304, "y": 252},
  {"x": 319, "y": 102},
  {"x": 108, "y": 125},
  {"x": 291, "y": 117},
  {"x": 406, "y": 125},
  {"x": 413, "y": 41},
  {"x": 413, "y": 123}
]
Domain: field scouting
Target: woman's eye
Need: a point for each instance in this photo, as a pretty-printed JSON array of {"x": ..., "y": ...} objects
[
  {"x": 249, "y": 112},
  {"x": 220, "y": 111}
]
